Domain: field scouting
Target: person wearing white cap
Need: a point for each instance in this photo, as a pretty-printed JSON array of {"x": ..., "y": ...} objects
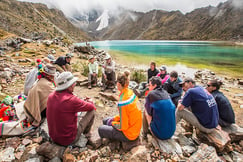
[
  {"x": 35, "y": 105},
  {"x": 62, "y": 108},
  {"x": 93, "y": 71},
  {"x": 63, "y": 63},
  {"x": 108, "y": 73}
]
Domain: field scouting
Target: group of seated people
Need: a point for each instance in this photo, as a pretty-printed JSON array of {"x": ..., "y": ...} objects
[{"x": 164, "y": 107}]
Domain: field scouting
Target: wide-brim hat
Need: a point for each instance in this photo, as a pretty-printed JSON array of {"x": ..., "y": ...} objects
[
  {"x": 91, "y": 57},
  {"x": 107, "y": 57},
  {"x": 65, "y": 80},
  {"x": 51, "y": 57},
  {"x": 49, "y": 69}
]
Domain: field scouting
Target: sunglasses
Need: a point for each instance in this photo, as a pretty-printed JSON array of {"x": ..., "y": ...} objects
[{"x": 208, "y": 85}]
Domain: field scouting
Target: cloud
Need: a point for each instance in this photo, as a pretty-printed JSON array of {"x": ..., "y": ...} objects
[{"x": 70, "y": 6}]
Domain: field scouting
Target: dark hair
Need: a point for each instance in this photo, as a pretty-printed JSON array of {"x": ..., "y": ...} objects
[
  {"x": 153, "y": 63},
  {"x": 216, "y": 83},
  {"x": 155, "y": 80},
  {"x": 173, "y": 74},
  {"x": 123, "y": 78}
]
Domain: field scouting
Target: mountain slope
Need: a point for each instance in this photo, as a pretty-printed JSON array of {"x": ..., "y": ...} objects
[
  {"x": 36, "y": 20},
  {"x": 223, "y": 22}
]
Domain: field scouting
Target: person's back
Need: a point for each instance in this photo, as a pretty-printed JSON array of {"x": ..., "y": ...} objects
[
  {"x": 62, "y": 117},
  {"x": 226, "y": 112},
  {"x": 203, "y": 106},
  {"x": 163, "y": 114},
  {"x": 62, "y": 107}
]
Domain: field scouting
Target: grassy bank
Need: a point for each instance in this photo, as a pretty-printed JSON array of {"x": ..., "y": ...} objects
[{"x": 220, "y": 68}]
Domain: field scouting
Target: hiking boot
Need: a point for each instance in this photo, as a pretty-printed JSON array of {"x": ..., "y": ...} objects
[
  {"x": 113, "y": 90},
  {"x": 94, "y": 85},
  {"x": 137, "y": 92},
  {"x": 103, "y": 89},
  {"x": 89, "y": 87},
  {"x": 127, "y": 146}
]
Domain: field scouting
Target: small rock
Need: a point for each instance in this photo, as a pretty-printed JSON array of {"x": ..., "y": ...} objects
[
  {"x": 240, "y": 82},
  {"x": 26, "y": 141},
  {"x": 68, "y": 158},
  {"x": 13, "y": 142},
  {"x": 18, "y": 155},
  {"x": 237, "y": 156},
  {"x": 37, "y": 140},
  {"x": 82, "y": 141},
  {"x": 7, "y": 154},
  {"x": 241, "y": 143}
]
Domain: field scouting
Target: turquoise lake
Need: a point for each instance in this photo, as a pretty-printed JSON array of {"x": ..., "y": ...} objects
[{"x": 207, "y": 53}]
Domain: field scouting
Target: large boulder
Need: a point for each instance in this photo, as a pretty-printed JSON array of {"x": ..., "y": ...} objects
[
  {"x": 235, "y": 132},
  {"x": 204, "y": 153},
  {"x": 169, "y": 146},
  {"x": 218, "y": 138}
]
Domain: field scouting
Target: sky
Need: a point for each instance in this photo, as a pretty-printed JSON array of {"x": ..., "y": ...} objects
[{"x": 68, "y": 6}]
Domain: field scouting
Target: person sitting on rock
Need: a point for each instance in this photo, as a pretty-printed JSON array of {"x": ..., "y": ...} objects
[
  {"x": 226, "y": 112},
  {"x": 143, "y": 87},
  {"x": 63, "y": 63},
  {"x": 35, "y": 104},
  {"x": 173, "y": 88},
  {"x": 126, "y": 126},
  {"x": 31, "y": 78},
  {"x": 204, "y": 111},
  {"x": 108, "y": 74},
  {"x": 62, "y": 108},
  {"x": 159, "y": 113},
  {"x": 164, "y": 76},
  {"x": 93, "y": 72}
]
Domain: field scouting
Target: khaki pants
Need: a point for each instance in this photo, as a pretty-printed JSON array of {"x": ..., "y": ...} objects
[
  {"x": 85, "y": 125},
  {"x": 192, "y": 119}
]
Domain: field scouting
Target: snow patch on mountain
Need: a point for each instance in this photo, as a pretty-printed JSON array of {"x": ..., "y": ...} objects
[{"x": 104, "y": 20}]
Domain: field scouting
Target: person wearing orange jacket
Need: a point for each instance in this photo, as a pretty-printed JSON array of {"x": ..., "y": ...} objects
[{"x": 127, "y": 125}]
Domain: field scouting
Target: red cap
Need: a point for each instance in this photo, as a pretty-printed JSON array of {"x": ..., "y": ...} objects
[{"x": 38, "y": 60}]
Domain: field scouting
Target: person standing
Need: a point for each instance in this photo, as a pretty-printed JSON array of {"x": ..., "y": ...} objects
[
  {"x": 159, "y": 113},
  {"x": 226, "y": 112}
]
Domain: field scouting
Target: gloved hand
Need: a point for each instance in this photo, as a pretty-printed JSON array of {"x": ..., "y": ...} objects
[{"x": 109, "y": 121}]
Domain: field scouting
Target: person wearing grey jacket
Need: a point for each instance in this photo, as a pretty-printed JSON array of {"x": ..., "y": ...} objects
[{"x": 173, "y": 88}]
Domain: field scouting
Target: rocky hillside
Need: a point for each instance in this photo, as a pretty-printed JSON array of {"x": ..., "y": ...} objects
[
  {"x": 223, "y": 22},
  {"x": 31, "y": 20}
]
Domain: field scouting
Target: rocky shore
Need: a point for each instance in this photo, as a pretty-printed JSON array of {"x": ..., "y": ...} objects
[{"x": 187, "y": 144}]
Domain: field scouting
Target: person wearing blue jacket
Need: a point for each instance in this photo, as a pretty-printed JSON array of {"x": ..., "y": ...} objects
[
  {"x": 173, "y": 88},
  {"x": 159, "y": 114}
]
